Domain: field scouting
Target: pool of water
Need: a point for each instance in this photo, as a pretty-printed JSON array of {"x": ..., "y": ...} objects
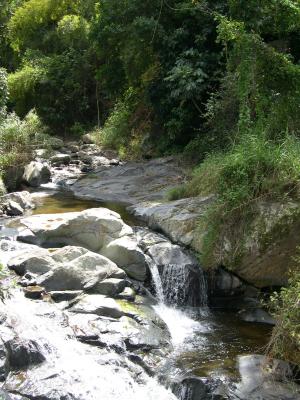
[{"x": 62, "y": 202}]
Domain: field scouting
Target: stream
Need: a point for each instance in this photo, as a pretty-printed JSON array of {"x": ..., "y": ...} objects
[{"x": 205, "y": 342}]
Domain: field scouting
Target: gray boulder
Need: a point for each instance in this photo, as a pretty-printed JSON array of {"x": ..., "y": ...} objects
[
  {"x": 93, "y": 228},
  {"x": 82, "y": 273},
  {"x": 99, "y": 305},
  {"x": 37, "y": 262},
  {"x": 111, "y": 286},
  {"x": 36, "y": 173},
  {"x": 126, "y": 253}
]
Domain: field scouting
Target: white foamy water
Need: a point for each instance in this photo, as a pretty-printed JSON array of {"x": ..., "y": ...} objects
[
  {"x": 77, "y": 370},
  {"x": 180, "y": 325}
]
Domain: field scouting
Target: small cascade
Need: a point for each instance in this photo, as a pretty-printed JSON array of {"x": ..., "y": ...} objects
[
  {"x": 72, "y": 370},
  {"x": 184, "y": 286},
  {"x": 178, "y": 286}
]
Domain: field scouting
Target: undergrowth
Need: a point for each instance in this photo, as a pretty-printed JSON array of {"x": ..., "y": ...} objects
[
  {"x": 255, "y": 169},
  {"x": 285, "y": 305}
]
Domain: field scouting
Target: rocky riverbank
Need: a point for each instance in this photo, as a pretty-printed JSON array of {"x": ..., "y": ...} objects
[{"x": 89, "y": 300}]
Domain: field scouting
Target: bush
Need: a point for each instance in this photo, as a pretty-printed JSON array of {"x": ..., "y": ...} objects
[
  {"x": 285, "y": 341},
  {"x": 127, "y": 126},
  {"x": 18, "y": 139}
]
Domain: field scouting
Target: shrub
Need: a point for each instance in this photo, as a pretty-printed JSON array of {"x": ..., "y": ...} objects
[
  {"x": 285, "y": 341},
  {"x": 18, "y": 138}
]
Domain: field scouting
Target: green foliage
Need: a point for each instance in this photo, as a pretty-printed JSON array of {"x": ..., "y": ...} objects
[
  {"x": 18, "y": 139},
  {"x": 285, "y": 341},
  {"x": 126, "y": 126},
  {"x": 3, "y": 92},
  {"x": 256, "y": 169}
]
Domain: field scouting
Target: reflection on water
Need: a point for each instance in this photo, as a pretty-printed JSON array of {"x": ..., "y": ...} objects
[
  {"x": 62, "y": 202},
  {"x": 221, "y": 337}
]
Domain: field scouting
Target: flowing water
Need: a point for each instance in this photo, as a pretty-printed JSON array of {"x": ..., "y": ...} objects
[
  {"x": 205, "y": 343},
  {"x": 84, "y": 374}
]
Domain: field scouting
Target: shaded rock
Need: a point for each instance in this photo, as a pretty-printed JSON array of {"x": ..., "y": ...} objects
[
  {"x": 264, "y": 379},
  {"x": 4, "y": 366},
  {"x": 128, "y": 256},
  {"x": 127, "y": 294},
  {"x": 87, "y": 139},
  {"x": 36, "y": 173},
  {"x": 65, "y": 295},
  {"x": 56, "y": 143},
  {"x": 60, "y": 159},
  {"x": 13, "y": 177},
  {"x": 93, "y": 228},
  {"x": 37, "y": 262},
  {"x": 99, "y": 305},
  {"x": 33, "y": 292},
  {"x": 13, "y": 209},
  {"x": 257, "y": 315},
  {"x": 23, "y": 353}
]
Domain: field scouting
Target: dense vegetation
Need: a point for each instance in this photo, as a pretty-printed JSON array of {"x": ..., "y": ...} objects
[{"x": 218, "y": 81}]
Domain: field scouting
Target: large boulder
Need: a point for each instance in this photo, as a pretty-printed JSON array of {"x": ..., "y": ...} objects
[
  {"x": 126, "y": 253},
  {"x": 82, "y": 273},
  {"x": 93, "y": 229},
  {"x": 176, "y": 219},
  {"x": 36, "y": 173}
]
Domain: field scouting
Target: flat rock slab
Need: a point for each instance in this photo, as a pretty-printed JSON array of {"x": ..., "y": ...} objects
[
  {"x": 176, "y": 219},
  {"x": 131, "y": 182}
]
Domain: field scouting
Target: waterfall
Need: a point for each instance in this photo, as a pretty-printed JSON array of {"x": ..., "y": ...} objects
[{"x": 178, "y": 286}]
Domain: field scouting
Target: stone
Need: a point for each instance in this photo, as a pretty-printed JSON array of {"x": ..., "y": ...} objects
[
  {"x": 257, "y": 315},
  {"x": 128, "y": 256},
  {"x": 12, "y": 177},
  {"x": 65, "y": 295},
  {"x": 60, "y": 159},
  {"x": 37, "y": 262},
  {"x": 131, "y": 182},
  {"x": 13, "y": 209},
  {"x": 127, "y": 294},
  {"x": 14, "y": 204},
  {"x": 265, "y": 379},
  {"x": 93, "y": 228},
  {"x": 68, "y": 253},
  {"x": 99, "y": 305},
  {"x": 87, "y": 139},
  {"x": 83, "y": 273},
  {"x": 23, "y": 353},
  {"x": 36, "y": 173},
  {"x": 111, "y": 286},
  {"x": 33, "y": 292},
  {"x": 176, "y": 219},
  {"x": 56, "y": 143}
]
